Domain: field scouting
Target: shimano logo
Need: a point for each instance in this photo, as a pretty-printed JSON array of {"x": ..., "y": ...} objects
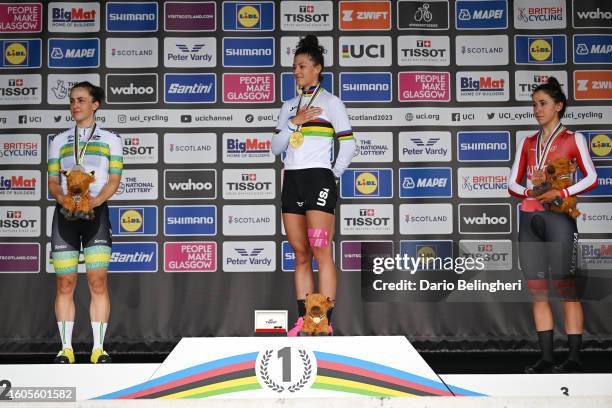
[{"x": 132, "y": 17}]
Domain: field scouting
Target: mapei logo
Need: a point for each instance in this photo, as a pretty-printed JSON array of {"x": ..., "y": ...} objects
[
  {"x": 74, "y": 17},
  {"x": 248, "y": 52},
  {"x": 365, "y": 51},
  {"x": 481, "y": 14},
  {"x": 190, "y": 88},
  {"x": 133, "y": 257},
  {"x": 365, "y": 87},
  {"x": 20, "y": 17},
  {"x": 248, "y": 16},
  {"x": 131, "y": 17},
  {"x": 190, "y": 220},
  {"x": 430, "y": 182},
  {"x": 367, "y": 183},
  {"x": 483, "y": 146},
  {"x": 593, "y": 49},
  {"x": 548, "y": 50},
  {"x": 604, "y": 182},
  {"x": 74, "y": 53},
  {"x": 21, "y": 53},
  {"x": 365, "y": 15}
]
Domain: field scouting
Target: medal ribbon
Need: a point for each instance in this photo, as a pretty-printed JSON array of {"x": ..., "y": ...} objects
[
  {"x": 542, "y": 153},
  {"x": 78, "y": 155},
  {"x": 316, "y": 93}
]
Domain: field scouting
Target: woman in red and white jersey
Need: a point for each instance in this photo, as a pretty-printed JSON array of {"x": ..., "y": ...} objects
[{"x": 548, "y": 240}]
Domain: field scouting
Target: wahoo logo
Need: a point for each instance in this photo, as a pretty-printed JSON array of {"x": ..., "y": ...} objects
[
  {"x": 485, "y": 219},
  {"x": 591, "y": 14},
  {"x": 131, "y": 88},
  {"x": 191, "y": 185}
]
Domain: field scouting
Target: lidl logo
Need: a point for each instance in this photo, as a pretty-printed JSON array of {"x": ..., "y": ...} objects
[
  {"x": 600, "y": 143},
  {"x": 20, "y": 53},
  {"x": 367, "y": 183},
  {"x": 540, "y": 50},
  {"x": 251, "y": 16},
  {"x": 134, "y": 220}
]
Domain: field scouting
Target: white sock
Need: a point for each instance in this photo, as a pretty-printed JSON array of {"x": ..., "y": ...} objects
[
  {"x": 65, "y": 330},
  {"x": 99, "y": 330}
]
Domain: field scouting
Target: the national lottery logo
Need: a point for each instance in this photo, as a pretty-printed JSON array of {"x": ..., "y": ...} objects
[
  {"x": 58, "y": 86},
  {"x": 374, "y": 147},
  {"x": 477, "y": 15},
  {"x": 138, "y": 184},
  {"x": 21, "y": 53},
  {"x": 483, "y": 86},
  {"x": 593, "y": 49},
  {"x": 74, "y": 17},
  {"x": 549, "y": 50},
  {"x": 248, "y": 16},
  {"x": 367, "y": 183},
  {"x": 20, "y": 17}
]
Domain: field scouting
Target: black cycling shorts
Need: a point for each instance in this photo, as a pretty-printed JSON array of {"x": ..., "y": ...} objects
[
  {"x": 68, "y": 235},
  {"x": 309, "y": 189}
]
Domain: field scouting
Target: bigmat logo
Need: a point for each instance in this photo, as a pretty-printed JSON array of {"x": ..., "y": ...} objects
[
  {"x": 425, "y": 146},
  {"x": 423, "y": 50},
  {"x": 366, "y": 219},
  {"x": 248, "y": 52},
  {"x": 288, "y": 259},
  {"x": 20, "y": 258},
  {"x": 249, "y": 220},
  {"x": 481, "y": 50},
  {"x": 288, "y": 46},
  {"x": 306, "y": 16},
  {"x": 483, "y": 86},
  {"x": 289, "y": 87},
  {"x": 195, "y": 184},
  {"x": 190, "y": 16},
  {"x": 485, "y": 219},
  {"x": 127, "y": 17},
  {"x": 249, "y": 184},
  {"x": 592, "y": 85},
  {"x": 70, "y": 17},
  {"x": 526, "y": 81},
  {"x": 247, "y": 148},
  {"x": 22, "y": 53},
  {"x": 249, "y": 256},
  {"x": 58, "y": 86},
  {"x": 430, "y": 182},
  {"x": 600, "y": 143},
  {"x": 495, "y": 254},
  {"x": 364, "y": 15},
  {"x": 192, "y": 256},
  {"x": 133, "y": 257},
  {"x": 131, "y": 52},
  {"x": 367, "y": 183},
  {"x": 21, "y": 221},
  {"x": 540, "y": 50},
  {"x": 351, "y": 253},
  {"x": 591, "y": 14},
  {"x": 73, "y": 53},
  {"x": 604, "y": 180},
  {"x": 424, "y": 86},
  {"x": 483, "y": 146},
  {"x": 190, "y": 88},
  {"x": 365, "y": 87},
  {"x": 131, "y": 88},
  {"x": 374, "y": 147},
  {"x": 248, "y": 16},
  {"x": 139, "y": 148},
  {"x": 248, "y": 88},
  {"x": 423, "y": 15},
  {"x": 190, "y": 148},
  {"x": 140, "y": 184},
  {"x": 189, "y": 52},
  {"x": 20, "y": 18},
  {"x": 543, "y": 14},
  {"x": 20, "y": 89},
  {"x": 595, "y": 254},
  {"x": 593, "y": 49},
  {"x": 481, "y": 14},
  {"x": 20, "y": 149},
  {"x": 424, "y": 219},
  {"x": 364, "y": 51},
  {"x": 141, "y": 220},
  {"x": 595, "y": 218},
  {"x": 190, "y": 220},
  {"x": 474, "y": 182},
  {"x": 21, "y": 185},
  {"x": 426, "y": 249}
]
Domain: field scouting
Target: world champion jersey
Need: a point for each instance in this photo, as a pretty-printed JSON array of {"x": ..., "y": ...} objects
[
  {"x": 319, "y": 133},
  {"x": 567, "y": 144},
  {"x": 103, "y": 155}
]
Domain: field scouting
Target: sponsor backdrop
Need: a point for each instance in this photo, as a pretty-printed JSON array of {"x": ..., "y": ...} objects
[{"x": 438, "y": 93}]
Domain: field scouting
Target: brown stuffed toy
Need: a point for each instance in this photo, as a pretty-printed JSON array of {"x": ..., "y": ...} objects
[
  {"x": 315, "y": 321},
  {"x": 559, "y": 174},
  {"x": 77, "y": 203}
]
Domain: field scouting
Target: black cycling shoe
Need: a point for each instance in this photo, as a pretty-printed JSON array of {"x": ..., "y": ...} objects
[
  {"x": 540, "y": 367},
  {"x": 568, "y": 366}
]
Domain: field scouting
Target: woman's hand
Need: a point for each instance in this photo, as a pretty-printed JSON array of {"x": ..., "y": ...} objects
[
  {"x": 549, "y": 196},
  {"x": 306, "y": 114}
]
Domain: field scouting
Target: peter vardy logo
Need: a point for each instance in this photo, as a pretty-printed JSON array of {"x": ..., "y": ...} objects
[
  {"x": 249, "y": 256},
  {"x": 190, "y": 220},
  {"x": 248, "y": 52},
  {"x": 482, "y": 14},
  {"x": 127, "y": 17},
  {"x": 248, "y": 16},
  {"x": 190, "y": 88},
  {"x": 190, "y": 185},
  {"x": 593, "y": 49},
  {"x": 365, "y": 87},
  {"x": 540, "y": 50},
  {"x": 485, "y": 219},
  {"x": 133, "y": 257},
  {"x": 188, "y": 52},
  {"x": 20, "y": 53},
  {"x": 483, "y": 146},
  {"x": 134, "y": 220},
  {"x": 367, "y": 183},
  {"x": 131, "y": 88},
  {"x": 430, "y": 182}
]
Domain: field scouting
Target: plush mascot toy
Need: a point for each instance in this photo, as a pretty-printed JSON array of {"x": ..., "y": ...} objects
[
  {"x": 559, "y": 173},
  {"x": 315, "y": 321},
  {"x": 77, "y": 203}
]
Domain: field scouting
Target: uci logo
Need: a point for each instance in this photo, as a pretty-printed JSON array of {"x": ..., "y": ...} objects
[{"x": 540, "y": 50}]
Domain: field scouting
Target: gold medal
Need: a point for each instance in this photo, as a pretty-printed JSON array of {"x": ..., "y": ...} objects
[{"x": 296, "y": 139}]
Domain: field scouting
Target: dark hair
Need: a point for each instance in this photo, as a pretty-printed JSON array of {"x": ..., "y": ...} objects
[
  {"x": 309, "y": 45},
  {"x": 552, "y": 87},
  {"x": 97, "y": 93}
]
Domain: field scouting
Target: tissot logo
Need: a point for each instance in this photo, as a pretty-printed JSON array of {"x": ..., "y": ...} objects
[
  {"x": 20, "y": 89},
  {"x": 131, "y": 88},
  {"x": 526, "y": 81},
  {"x": 485, "y": 219},
  {"x": 372, "y": 219},
  {"x": 306, "y": 15},
  {"x": 365, "y": 51},
  {"x": 423, "y": 50},
  {"x": 592, "y": 14},
  {"x": 496, "y": 254},
  {"x": 249, "y": 184},
  {"x": 24, "y": 222},
  {"x": 422, "y": 15},
  {"x": 190, "y": 185}
]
